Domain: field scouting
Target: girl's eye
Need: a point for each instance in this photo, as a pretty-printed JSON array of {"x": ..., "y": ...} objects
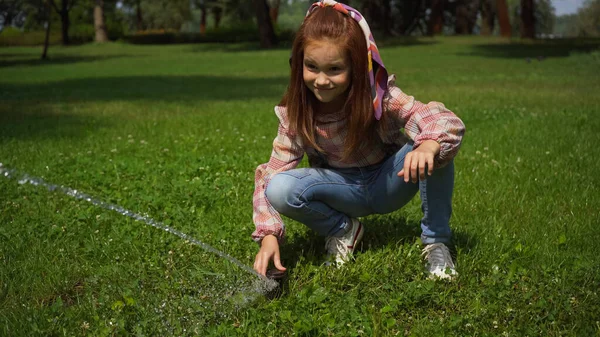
[
  {"x": 311, "y": 66},
  {"x": 335, "y": 69}
]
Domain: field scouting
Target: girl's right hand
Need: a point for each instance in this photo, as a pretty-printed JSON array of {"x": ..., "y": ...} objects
[{"x": 269, "y": 249}]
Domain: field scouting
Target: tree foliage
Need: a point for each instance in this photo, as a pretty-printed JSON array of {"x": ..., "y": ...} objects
[
  {"x": 544, "y": 16},
  {"x": 12, "y": 13},
  {"x": 386, "y": 17},
  {"x": 165, "y": 14},
  {"x": 589, "y": 19}
]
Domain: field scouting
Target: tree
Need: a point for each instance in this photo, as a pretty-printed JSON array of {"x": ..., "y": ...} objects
[
  {"x": 63, "y": 11},
  {"x": 409, "y": 14},
  {"x": 139, "y": 23},
  {"x": 503, "y": 19},
  {"x": 202, "y": 5},
  {"x": 99, "y": 26},
  {"x": 217, "y": 13},
  {"x": 377, "y": 13},
  {"x": 466, "y": 16},
  {"x": 527, "y": 19},
  {"x": 214, "y": 6},
  {"x": 274, "y": 10},
  {"x": 488, "y": 15},
  {"x": 48, "y": 25},
  {"x": 545, "y": 17},
  {"x": 566, "y": 25},
  {"x": 435, "y": 25},
  {"x": 528, "y": 25},
  {"x": 11, "y": 13},
  {"x": 589, "y": 19},
  {"x": 166, "y": 14},
  {"x": 268, "y": 39},
  {"x": 240, "y": 10}
]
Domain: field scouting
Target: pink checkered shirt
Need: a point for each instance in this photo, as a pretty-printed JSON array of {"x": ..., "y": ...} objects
[{"x": 420, "y": 122}]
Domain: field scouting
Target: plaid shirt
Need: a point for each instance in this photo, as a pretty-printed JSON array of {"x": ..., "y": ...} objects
[{"x": 420, "y": 122}]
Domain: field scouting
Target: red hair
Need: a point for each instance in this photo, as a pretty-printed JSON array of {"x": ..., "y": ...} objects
[{"x": 327, "y": 23}]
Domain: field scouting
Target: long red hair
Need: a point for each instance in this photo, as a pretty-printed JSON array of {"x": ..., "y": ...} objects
[{"x": 328, "y": 23}]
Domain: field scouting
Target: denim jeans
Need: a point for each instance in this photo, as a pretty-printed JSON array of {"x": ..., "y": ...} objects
[{"x": 325, "y": 198}]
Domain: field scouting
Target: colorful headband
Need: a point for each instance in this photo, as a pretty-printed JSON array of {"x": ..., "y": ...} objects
[{"x": 377, "y": 74}]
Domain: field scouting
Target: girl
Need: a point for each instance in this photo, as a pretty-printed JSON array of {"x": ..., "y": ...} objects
[{"x": 346, "y": 114}]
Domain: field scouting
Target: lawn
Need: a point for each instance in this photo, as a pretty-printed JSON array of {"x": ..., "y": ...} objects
[{"x": 175, "y": 133}]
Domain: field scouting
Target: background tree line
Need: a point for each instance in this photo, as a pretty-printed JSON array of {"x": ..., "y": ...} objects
[{"x": 101, "y": 20}]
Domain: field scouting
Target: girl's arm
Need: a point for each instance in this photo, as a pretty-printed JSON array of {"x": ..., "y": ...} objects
[
  {"x": 287, "y": 154},
  {"x": 421, "y": 122}
]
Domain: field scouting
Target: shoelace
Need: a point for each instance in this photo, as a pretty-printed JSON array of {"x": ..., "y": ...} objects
[{"x": 438, "y": 255}]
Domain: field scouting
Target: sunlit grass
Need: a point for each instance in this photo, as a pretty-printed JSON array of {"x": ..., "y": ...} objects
[{"x": 176, "y": 132}]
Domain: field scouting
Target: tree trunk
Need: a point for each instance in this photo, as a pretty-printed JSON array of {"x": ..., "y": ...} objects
[
  {"x": 265, "y": 26},
  {"x": 217, "y": 14},
  {"x": 138, "y": 16},
  {"x": 436, "y": 20},
  {"x": 386, "y": 12},
  {"x": 411, "y": 16},
  {"x": 466, "y": 16},
  {"x": 503, "y": 20},
  {"x": 527, "y": 19},
  {"x": 377, "y": 14},
  {"x": 7, "y": 19},
  {"x": 65, "y": 28},
  {"x": 64, "y": 18},
  {"x": 274, "y": 11},
  {"x": 462, "y": 19},
  {"x": 487, "y": 17},
  {"x": 99, "y": 26},
  {"x": 48, "y": 25},
  {"x": 203, "y": 20}
]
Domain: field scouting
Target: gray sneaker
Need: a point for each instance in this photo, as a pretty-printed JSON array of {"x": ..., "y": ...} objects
[
  {"x": 439, "y": 261},
  {"x": 340, "y": 248}
]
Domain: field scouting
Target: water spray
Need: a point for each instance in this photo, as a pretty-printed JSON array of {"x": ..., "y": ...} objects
[{"x": 266, "y": 285}]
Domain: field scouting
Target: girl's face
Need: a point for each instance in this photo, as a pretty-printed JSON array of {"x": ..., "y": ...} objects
[{"x": 326, "y": 71}]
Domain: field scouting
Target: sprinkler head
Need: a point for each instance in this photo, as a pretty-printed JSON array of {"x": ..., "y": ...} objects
[{"x": 279, "y": 277}]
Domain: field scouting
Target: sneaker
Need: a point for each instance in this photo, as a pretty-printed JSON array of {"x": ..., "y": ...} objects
[
  {"x": 439, "y": 261},
  {"x": 340, "y": 248}
]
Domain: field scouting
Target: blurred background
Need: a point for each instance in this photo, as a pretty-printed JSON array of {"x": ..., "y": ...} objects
[{"x": 272, "y": 22}]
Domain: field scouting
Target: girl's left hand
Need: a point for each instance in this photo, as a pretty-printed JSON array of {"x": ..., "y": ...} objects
[{"x": 417, "y": 159}]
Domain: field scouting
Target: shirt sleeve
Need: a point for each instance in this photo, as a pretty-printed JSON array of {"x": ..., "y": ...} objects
[
  {"x": 431, "y": 121},
  {"x": 287, "y": 154}
]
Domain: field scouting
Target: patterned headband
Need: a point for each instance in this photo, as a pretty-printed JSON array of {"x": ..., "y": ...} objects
[{"x": 377, "y": 74}]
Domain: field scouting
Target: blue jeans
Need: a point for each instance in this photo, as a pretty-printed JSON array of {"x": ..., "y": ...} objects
[{"x": 325, "y": 198}]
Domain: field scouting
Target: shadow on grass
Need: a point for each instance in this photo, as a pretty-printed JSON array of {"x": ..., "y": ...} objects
[
  {"x": 148, "y": 88},
  {"x": 26, "y": 54},
  {"x": 380, "y": 231},
  {"x": 287, "y": 45},
  {"x": 31, "y": 111},
  {"x": 393, "y": 229},
  {"x": 39, "y": 123},
  {"x": 238, "y": 47},
  {"x": 537, "y": 49},
  {"x": 405, "y": 41},
  {"x": 29, "y": 59}
]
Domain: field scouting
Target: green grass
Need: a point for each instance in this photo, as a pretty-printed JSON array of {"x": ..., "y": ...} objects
[{"x": 176, "y": 132}]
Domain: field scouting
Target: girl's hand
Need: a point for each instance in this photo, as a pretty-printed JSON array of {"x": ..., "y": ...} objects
[
  {"x": 417, "y": 159},
  {"x": 269, "y": 249}
]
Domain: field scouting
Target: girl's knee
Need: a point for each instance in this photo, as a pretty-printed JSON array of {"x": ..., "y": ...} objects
[{"x": 280, "y": 192}]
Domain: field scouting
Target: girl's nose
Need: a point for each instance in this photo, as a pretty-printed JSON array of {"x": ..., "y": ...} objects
[{"x": 322, "y": 80}]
